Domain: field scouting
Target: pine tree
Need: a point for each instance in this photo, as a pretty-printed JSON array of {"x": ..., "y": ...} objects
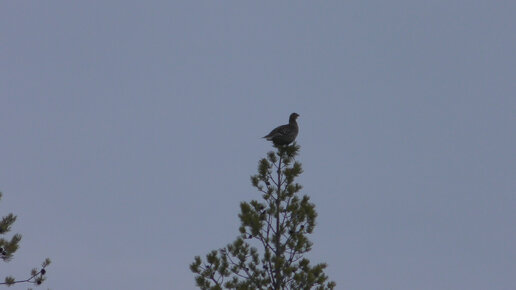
[
  {"x": 269, "y": 252},
  {"x": 9, "y": 246}
]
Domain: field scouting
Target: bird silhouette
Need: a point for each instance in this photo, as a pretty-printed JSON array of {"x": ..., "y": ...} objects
[{"x": 284, "y": 134}]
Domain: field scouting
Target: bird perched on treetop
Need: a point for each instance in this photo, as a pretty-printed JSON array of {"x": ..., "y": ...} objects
[{"x": 285, "y": 134}]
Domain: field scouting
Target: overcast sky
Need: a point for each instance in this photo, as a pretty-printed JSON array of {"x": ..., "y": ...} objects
[{"x": 129, "y": 130}]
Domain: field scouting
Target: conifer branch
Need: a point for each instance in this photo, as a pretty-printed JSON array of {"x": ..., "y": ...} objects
[
  {"x": 37, "y": 277},
  {"x": 279, "y": 225}
]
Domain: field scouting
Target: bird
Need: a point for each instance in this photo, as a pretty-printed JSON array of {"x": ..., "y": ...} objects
[{"x": 284, "y": 134}]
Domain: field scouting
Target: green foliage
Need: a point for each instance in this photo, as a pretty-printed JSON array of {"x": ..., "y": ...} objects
[
  {"x": 9, "y": 280},
  {"x": 269, "y": 252},
  {"x": 9, "y": 246}
]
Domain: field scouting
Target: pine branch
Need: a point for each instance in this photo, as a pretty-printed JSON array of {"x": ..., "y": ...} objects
[
  {"x": 279, "y": 225},
  {"x": 37, "y": 277}
]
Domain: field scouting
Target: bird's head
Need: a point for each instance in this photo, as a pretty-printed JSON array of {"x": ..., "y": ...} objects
[{"x": 293, "y": 116}]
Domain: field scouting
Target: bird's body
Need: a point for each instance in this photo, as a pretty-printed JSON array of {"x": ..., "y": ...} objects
[{"x": 285, "y": 134}]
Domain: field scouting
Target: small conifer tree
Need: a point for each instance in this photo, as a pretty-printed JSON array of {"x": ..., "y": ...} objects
[
  {"x": 270, "y": 251},
  {"x": 9, "y": 246}
]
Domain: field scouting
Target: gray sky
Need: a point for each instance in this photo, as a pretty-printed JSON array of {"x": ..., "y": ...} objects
[{"x": 129, "y": 130}]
